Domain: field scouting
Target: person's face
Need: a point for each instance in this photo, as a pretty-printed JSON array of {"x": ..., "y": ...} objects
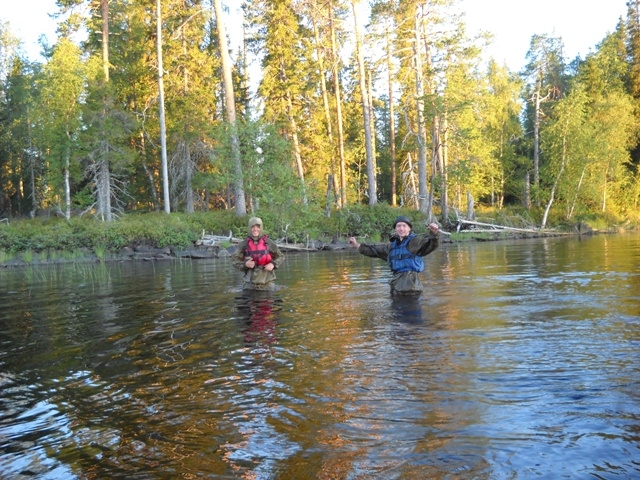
[
  {"x": 255, "y": 231},
  {"x": 402, "y": 229}
]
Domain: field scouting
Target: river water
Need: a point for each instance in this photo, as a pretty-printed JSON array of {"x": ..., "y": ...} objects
[{"x": 520, "y": 360}]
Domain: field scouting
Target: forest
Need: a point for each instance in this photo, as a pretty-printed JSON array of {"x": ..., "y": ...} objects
[{"x": 298, "y": 105}]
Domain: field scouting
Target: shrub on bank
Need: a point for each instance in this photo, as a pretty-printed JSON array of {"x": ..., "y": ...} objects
[
  {"x": 181, "y": 230},
  {"x": 370, "y": 223}
]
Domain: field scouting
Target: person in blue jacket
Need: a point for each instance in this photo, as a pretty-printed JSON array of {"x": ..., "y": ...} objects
[{"x": 404, "y": 255}]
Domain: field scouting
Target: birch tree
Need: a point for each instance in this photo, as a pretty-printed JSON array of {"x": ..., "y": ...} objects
[
  {"x": 335, "y": 61},
  {"x": 565, "y": 140},
  {"x": 161, "y": 114},
  {"x": 61, "y": 90},
  {"x": 544, "y": 71}
]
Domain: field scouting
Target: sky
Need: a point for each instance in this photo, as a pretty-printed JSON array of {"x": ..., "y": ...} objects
[{"x": 581, "y": 24}]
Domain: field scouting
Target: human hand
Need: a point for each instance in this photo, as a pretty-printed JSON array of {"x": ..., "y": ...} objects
[
  {"x": 249, "y": 263},
  {"x": 354, "y": 242},
  {"x": 269, "y": 267},
  {"x": 434, "y": 228}
]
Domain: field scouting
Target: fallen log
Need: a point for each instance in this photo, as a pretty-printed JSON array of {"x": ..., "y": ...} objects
[
  {"x": 498, "y": 227},
  {"x": 211, "y": 240},
  {"x": 289, "y": 247}
]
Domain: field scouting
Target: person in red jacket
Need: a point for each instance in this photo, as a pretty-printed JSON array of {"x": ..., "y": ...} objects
[{"x": 258, "y": 257}]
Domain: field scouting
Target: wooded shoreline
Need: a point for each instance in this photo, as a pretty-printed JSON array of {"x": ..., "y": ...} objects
[{"x": 211, "y": 246}]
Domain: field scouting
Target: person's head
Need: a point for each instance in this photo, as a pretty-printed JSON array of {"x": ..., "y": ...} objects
[
  {"x": 255, "y": 227},
  {"x": 402, "y": 226}
]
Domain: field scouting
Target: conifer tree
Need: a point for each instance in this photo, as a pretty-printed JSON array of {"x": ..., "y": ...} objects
[
  {"x": 285, "y": 68},
  {"x": 17, "y": 157}
]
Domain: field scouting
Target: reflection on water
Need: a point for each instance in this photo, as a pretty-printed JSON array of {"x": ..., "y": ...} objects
[
  {"x": 520, "y": 360},
  {"x": 260, "y": 310}
]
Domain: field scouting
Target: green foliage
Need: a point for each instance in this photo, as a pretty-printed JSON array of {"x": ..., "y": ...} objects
[
  {"x": 373, "y": 221},
  {"x": 155, "y": 230},
  {"x": 55, "y": 238},
  {"x": 67, "y": 127},
  {"x": 59, "y": 116},
  {"x": 599, "y": 221}
]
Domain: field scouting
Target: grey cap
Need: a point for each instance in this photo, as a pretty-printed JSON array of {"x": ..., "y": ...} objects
[
  {"x": 255, "y": 221},
  {"x": 402, "y": 219}
]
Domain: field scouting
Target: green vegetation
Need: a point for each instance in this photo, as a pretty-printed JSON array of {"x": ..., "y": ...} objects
[
  {"x": 56, "y": 240},
  {"x": 45, "y": 237},
  {"x": 414, "y": 117}
]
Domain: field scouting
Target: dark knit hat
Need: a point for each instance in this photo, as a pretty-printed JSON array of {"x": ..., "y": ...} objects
[{"x": 403, "y": 219}]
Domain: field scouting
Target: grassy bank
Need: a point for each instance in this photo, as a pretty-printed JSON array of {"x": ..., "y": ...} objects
[{"x": 54, "y": 239}]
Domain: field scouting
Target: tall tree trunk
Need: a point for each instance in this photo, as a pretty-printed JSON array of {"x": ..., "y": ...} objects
[
  {"x": 536, "y": 141},
  {"x": 230, "y": 105},
  {"x": 555, "y": 183},
  {"x": 188, "y": 178},
  {"x": 149, "y": 173},
  {"x": 296, "y": 146},
  {"x": 392, "y": 122},
  {"x": 67, "y": 185},
  {"x": 32, "y": 170},
  {"x": 336, "y": 87},
  {"x": 187, "y": 163},
  {"x": 104, "y": 11},
  {"x": 444, "y": 194},
  {"x": 325, "y": 103},
  {"x": 366, "y": 110},
  {"x": 575, "y": 195},
  {"x": 414, "y": 191},
  {"x": 372, "y": 121},
  {"x": 422, "y": 156},
  {"x": 106, "y": 178},
  {"x": 538, "y": 101},
  {"x": 103, "y": 174},
  {"x": 245, "y": 73},
  {"x": 526, "y": 201},
  {"x": 163, "y": 128}
]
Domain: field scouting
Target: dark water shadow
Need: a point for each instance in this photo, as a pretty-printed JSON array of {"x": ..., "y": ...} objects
[{"x": 407, "y": 309}]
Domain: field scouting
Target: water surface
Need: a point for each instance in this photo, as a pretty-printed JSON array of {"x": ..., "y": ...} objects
[{"x": 520, "y": 360}]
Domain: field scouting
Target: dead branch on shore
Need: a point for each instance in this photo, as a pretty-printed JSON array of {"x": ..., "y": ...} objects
[
  {"x": 212, "y": 240},
  {"x": 217, "y": 240},
  {"x": 493, "y": 227}
]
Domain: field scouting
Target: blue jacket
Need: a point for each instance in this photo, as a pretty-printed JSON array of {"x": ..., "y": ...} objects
[{"x": 402, "y": 260}]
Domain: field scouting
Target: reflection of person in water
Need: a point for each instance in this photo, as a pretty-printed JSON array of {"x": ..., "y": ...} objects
[
  {"x": 260, "y": 314},
  {"x": 258, "y": 443},
  {"x": 407, "y": 308}
]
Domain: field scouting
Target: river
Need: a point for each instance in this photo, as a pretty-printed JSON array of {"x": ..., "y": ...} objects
[{"x": 520, "y": 360}]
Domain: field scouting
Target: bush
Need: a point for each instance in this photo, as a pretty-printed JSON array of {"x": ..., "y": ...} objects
[
  {"x": 295, "y": 225},
  {"x": 376, "y": 221}
]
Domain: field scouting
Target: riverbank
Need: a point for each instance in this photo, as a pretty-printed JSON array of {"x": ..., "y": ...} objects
[
  {"x": 215, "y": 246},
  {"x": 161, "y": 237}
]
